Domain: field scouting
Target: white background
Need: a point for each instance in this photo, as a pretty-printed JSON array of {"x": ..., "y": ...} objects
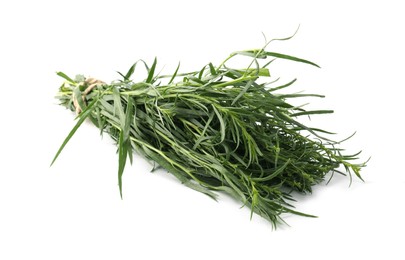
[{"x": 73, "y": 209}]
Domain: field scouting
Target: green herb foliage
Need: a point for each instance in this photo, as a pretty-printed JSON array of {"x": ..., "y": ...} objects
[{"x": 217, "y": 130}]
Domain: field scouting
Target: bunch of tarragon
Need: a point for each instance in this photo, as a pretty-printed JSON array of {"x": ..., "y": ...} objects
[{"x": 220, "y": 129}]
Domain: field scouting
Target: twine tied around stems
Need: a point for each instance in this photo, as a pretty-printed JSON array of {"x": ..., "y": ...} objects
[{"x": 91, "y": 83}]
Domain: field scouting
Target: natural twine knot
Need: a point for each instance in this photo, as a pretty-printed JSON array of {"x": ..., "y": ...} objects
[{"x": 91, "y": 83}]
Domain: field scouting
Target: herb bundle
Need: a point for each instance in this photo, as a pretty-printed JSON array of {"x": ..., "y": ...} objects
[{"x": 219, "y": 129}]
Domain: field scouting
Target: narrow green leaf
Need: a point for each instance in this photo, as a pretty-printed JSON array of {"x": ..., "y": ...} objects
[
  {"x": 221, "y": 122},
  {"x": 239, "y": 193},
  {"x": 298, "y": 213},
  {"x": 247, "y": 86},
  {"x": 288, "y": 57},
  {"x": 292, "y": 121},
  {"x": 81, "y": 117},
  {"x": 299, "y": 95},
  {"x": 129, "y": 114},
  {"x": 130, "y": 71},
  {"x": 196, "y": 80},
  {"x": 202, "y": 136},
  {"x": 321, "y": 131},
  {"x": 127, "y": 127},
  {"x": 312, "y": 112},
  {"x": 282, "y": 86},
  {"x": 63, "y": 75},
  {"x": 174, "y": 74},
  {"x": 235, "y": 81},
  {"x": 268, "y": 63},
  {"x": 277, "y": 172},
  {"x": 347, "y": 138},
  {"x": 122, "y": 75},
  {"x": 212, "y": 69},
  {"x": 151, "y": 71},
  {"x": 100, "y": 120},
  {"x": 258, "y": 53},
  {"x": 262, "y": 72},
  {"x": 199, "y": 188},
  {"x": 255, "y": 200},
  {"x": 118, "y": 110},
  {"x": 201, "y": 73},
  {"x": 130, "y": 152},
  {"x": 122, "y": 158}
]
